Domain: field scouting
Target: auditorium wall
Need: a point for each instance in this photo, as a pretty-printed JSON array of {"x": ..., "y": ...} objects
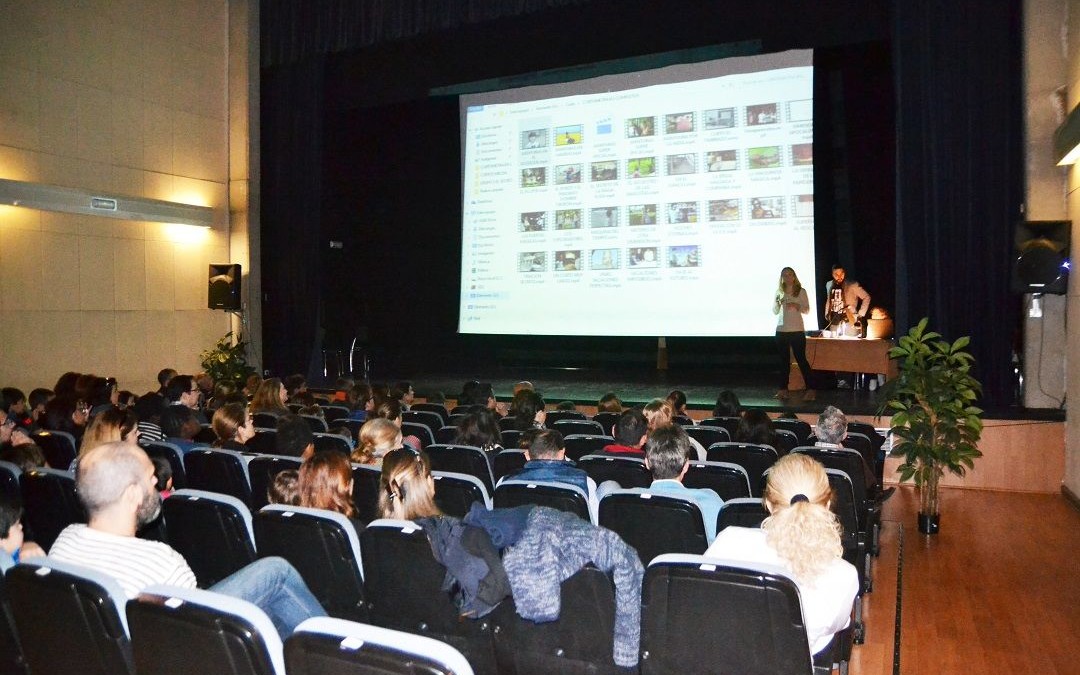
[{"x": 122, "y": 97}]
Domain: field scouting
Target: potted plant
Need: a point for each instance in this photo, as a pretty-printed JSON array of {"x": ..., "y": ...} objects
[
  {"x": 226, "y": 361},
  {"x": 935, "y": 424}
]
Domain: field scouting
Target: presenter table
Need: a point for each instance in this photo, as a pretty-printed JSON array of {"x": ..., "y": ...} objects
[{"x": 849, "y": 355}]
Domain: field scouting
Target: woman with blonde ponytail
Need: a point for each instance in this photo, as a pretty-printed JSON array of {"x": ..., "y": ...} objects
[
  {"x": 801, "y": 536},
  {"x": 407, "y": 488}
]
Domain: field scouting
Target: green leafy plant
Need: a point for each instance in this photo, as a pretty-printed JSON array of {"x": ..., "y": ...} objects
[
  {"x": 227, "y": 360},
  {"x": 934, "y": 418}
]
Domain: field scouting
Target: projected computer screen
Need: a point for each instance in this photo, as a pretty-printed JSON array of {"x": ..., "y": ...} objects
[{"x": 663, "y": 202}]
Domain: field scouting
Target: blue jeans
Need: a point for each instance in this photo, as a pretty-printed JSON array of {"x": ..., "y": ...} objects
[{"x": 275, "y": 587}]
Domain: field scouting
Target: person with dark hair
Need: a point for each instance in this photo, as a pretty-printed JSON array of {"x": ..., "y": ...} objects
[
  {"x": 163, "y": 377},
  {"x": 115, "y": 483},
  {"x": 755, "y": 426},
  {"x": 182, "y": 390},
  {"x": 529, "y": 411},
  {"x": 14, "y": 404},
  {"x": 609, "y": 402},
  {"x": 233, "y": 426},
  {"x": 104, "y": 394},
  {"x": 630, "y": 432},
  {"x": 148, "y": 409},
  {"x": 727, "y": 404},
  {"x": 294, "y": 385},
  {"x": 163, "y": 476},
  {"x": 480, "y": 428},
  {"x": 180, "y": 427},
  {"x": 68, "y": 414},
  {"x": 403, "y": 393},
  {"x": 294, "y": 437},
  {"x": 361, "y": 401},
  {"x": 11, "y": 434},
  {"x": 126, "y": 399},
  {"x": 390, "y": 410},
  {"x": 26, "y": 456},
  {"x": 677, "y": 398},
  {"x": 65, "y": 384},
  {"x": 251, "y": 385},
  {"x": 284, "y": 488},
  {"x": 547, "y": 462},
  {"x": 845, "y": 300},
  {"x": 470, "y": 394},
  {"x": 13, "y": 548},
  {"x": 667, "y": 456},
  {"x": 38, "y": 398}
]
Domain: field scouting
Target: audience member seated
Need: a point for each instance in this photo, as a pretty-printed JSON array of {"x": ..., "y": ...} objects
[
  {"x": 284, "y": 488},
  {"x": 377, "y": 437},
  {"x": 660, "y": 414},
  {"x": 831, "y": 431},
  {"x": 403, "y": 393},
  {"x": 251, "y": 385},
  {"x": 390, "y": 410},
  {"x": 12, "y": 546},
  {"x": 755, "y": 426},
  {"x": 480, "y": 428},
  {"x": 163, "y": 476},
  {"x": 233, "y": 426},
  {"x": 727, "y": 405},
  {"x": 677, "y": 399},
  {"x": 294, "y": 437},
  {"x": 667, "y": 456},
  {"x": 224, "y": 392},
  {"x": 182, "y": 391},
  {"x": 270, "y": 398},
  {"x": 148, "y": 409},
  {"x": 26, "y": 456},
  {"x": 630, "y": 433},
  {"x": 38, "y": 398},
  {"x": 294, "y": 386},
  {"x": 66, "y": 413},
  {"x": 361, "y": 402},
  {"x": 529, "y": 411},
  {"x": 126, "y": 400},
  {"x": 180, "y": 427},
  {"x": 104, "y": 394},
  {"x": 205, "y": 383},
  {"x": 115, "y": 482},
  {"x": 163, "y": 377},
  {"x": 65, "y": 384},
  {"x": 609, "y": 402},
  {"x": 546, "y": 461},
  {"x": 112, "y": 425},
  {"x": 568, "y": 406},
  {"x": 11, "y": 434},
  {"x": 13, "y": 402},
  {"x": 801, "y": 536},
  {"x": 325, "y": 482}
]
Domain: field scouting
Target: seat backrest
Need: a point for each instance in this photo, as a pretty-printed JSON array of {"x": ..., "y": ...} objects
[
  {"x": 315, "y": 423},
  {"x": 755, "y": 459},
  {"x": 579, "y": 445},
  {"x": 334, "y": 413},
  {"x": 433, "y": 421},
  {"x": 437, "y": 408},
  {"x": 205, "y": 436},
  {"x": 579, "y": 641},
  {"x": 49, "y": 504},
  {"x": 172, "y": 454},
  {"x": 446, "y": 435},
  {"x": 850, "y": 462},
  {"x": 561, "y": 496},
  {"x": 729, "y": 424},
  {"x": 403, "y": 583},
  {"x": 607, "y": 420},
  {"x": 70, "y": 619},
  {"x": 582, "y": 426},
  {"x": 506, "y": 423},
  {"x": 554, "y": 416},
  {"x": 727, "y": 480},
  {"x": 628, "y": 472},
  {"x": 327, "y": 646},
  {"x": 786, "y": 441},
  {"x": 511, "y": 438},
  {"x": 324, "y": 547},
  {"x": 707, "y": 435},
  {"x": 744, "y": 512},
  {"x": 421, "y": 431},
  {"x": 212, "y": 531},
  {"x": 261, "y": 472},
  {"x": 800, "y": 428},
  {"x": 12, "y": 661},
  {"x": 843, "y": 505},
  {"x": 365, "y": 491},
  {"x": 683, "y": 421},
  {"x": 264, "y": 441},
  {"x": 9, "y": 482},
  {"x": 455, "y": 493},
  {"x": 736, "y": 617},
  {"x": 332, "y": 443},
  {"x": 58, "y": 448},
  {"x": 218, "y": 470},
  {"x": 654, "y": 523},
  {"x": 201, "y": 632},
  {"x": 508, "y": 461},
  {"x": 462, "y": 459},
  {"x": 264, "y": 420},
  {"x": 876, "y": 438}
]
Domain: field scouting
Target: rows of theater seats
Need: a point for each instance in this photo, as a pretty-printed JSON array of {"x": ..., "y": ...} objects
[{"x": 214, "y": 529}]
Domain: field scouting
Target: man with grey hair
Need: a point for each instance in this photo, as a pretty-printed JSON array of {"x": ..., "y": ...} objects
[
  {"x": 115, "y": 483},
  {"x": 831, "y": 432}
]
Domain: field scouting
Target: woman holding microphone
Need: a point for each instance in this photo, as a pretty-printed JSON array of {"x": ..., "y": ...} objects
[{"x": 790, "y": 304}]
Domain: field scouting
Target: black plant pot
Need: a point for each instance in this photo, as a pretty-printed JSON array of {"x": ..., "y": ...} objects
[{"x": 929, "y": 523}]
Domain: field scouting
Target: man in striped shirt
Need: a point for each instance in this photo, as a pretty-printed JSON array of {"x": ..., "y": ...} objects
[{"x": 116, "y": 484}]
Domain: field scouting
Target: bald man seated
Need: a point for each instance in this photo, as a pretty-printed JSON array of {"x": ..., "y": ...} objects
[{"x": 115, "y": 483}]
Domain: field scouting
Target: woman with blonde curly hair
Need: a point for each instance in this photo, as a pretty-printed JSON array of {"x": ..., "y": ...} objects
[
  {"x": 802, "y": 536},
  {"x": 326, "y": 482},
  {"x": 407, "y": 488},
  {"x": 378, "y": 436},
  {"x": 660, "y": 413},
  {"x": 270, "y": 398}
]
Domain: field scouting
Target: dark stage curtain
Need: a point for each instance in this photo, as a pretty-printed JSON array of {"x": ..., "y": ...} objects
[
  {"x": 291, "y": 118},
  {"x": 959, "y": 175}
]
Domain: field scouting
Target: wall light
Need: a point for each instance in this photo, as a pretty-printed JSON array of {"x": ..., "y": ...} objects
[
  {"x": 75, "y": 200},
  {"x": 1067, "y": 139}
]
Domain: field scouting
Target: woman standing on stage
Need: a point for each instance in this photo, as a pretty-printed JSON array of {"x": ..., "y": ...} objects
[{"x": 790, "y": 304}]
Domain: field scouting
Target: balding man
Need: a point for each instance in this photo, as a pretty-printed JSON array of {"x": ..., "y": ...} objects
[{"x": 116, "y": 484}]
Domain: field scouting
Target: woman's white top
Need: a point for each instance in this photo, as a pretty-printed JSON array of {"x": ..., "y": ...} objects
[
  {"x": 790, "y": 319},
  {"x": 826, "y": 603}
]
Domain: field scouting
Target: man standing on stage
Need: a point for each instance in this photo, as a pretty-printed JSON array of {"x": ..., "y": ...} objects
[{"x": 845, "y": 299}]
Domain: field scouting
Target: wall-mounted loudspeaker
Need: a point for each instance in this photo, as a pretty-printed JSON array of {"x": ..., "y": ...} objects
[
  {"x": 1042, "y": 257},
  {"x": 223, "y": 287}
]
